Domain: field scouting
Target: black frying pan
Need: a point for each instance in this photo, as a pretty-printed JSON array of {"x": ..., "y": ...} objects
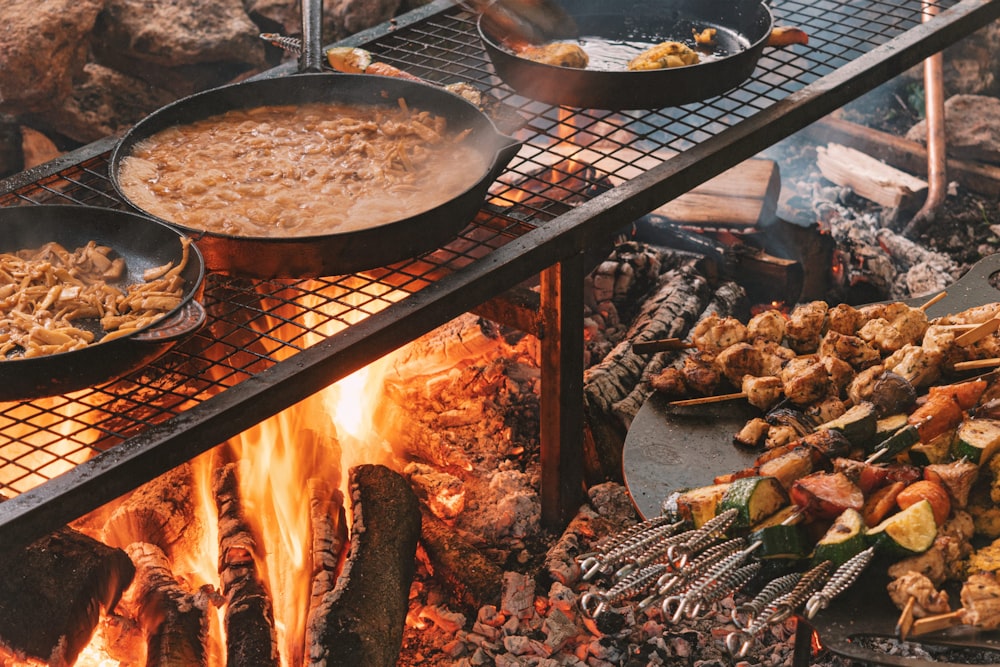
[
  {"x": 742, "y": 30},
  {"x": 144, "y": 244},
  {"x": 345, "y": 252}
]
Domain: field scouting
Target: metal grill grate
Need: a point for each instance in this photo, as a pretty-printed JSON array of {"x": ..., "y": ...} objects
[{"x": 255, "y": 325}]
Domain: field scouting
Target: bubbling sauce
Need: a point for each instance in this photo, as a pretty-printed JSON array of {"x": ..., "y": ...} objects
[{"x": 300, "y": 170}]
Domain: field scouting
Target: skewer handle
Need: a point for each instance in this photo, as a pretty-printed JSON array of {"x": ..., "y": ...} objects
[
  {"x": 709, "y": 399},
  {"x": 922, "y": 626}
]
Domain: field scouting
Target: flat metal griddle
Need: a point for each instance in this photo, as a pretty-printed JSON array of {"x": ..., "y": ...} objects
[{"x": 671, "y": 447}]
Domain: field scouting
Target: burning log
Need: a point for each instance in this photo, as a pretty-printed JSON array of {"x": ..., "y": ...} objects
[
  {"x": 250, "y": 634},
  {"x": 159, "y": 512},
  {"x": 470, "y": 578},
  {"x": 52, "y": 593},
  {"x": 671, "y": 310},
  {"x": 174, "y": 621},
  {"x": 362, "y": 619},
  {"x": 329, "y": 530}
]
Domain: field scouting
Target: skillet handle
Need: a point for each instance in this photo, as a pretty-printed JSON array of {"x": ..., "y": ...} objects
[{"x": 188, "y": 319}]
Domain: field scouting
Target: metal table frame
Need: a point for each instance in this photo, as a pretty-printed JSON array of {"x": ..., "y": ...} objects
[{"x": 555, "y": 251}]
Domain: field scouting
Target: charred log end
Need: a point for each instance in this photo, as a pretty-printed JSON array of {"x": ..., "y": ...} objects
[
  {"x": 470, "y": 578},
  {"x": 366, "y": 614},
  {"x": 52, "y": 593}
]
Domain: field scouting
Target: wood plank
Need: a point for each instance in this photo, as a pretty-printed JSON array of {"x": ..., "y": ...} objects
[
  {"x": 745, "y": 195},
  {"x": 903, "y": 154},
  {"x": 870, "y": 178}
]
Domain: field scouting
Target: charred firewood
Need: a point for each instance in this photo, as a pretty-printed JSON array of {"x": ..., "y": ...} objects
[
  {"x": 159, "y": 512},
  {"x": 361, "y": 621},
  {"x": 52, "y": 593},
  {"x": 676, "y": 302},
  {"x": 729, "y": 299},
  {"x": 174, "y": 622},
  {"x": 329, "y": 540},
  {"x": 250, "y": 634},
  {"x": 471, "y": 579}
]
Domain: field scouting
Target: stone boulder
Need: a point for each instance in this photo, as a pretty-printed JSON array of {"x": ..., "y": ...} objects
[
  {"x": 972, "y": 128},
  {"x": 43, "y": 48}
]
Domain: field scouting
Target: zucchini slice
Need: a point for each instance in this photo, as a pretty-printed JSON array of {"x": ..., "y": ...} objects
[
  {"x": 843, "y": 540},
  {"x": 858, "y": 424},
  {"x": 907, "y": 532},
  {"x": 978, "y": 440},
  {"x": 938, "y": 450},
  {"x": 754, "y": 498},
  {"x": 698, "y": 505},
  {"x": 897, "y": 442},
  {"x": 780, "y": 541}
]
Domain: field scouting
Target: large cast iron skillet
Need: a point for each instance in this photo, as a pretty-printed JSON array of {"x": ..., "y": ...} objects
[
  {"x": 743, "y": 27},
  {"x": 335, "y": 253},
  {"x": 144, "y": 244}
]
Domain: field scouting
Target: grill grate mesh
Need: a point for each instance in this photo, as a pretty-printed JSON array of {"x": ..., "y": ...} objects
[{"x": 254, "y": 325}]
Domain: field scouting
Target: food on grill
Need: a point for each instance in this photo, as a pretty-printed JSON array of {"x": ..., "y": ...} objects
[
  {"x": 706, "y": 37},
  {"x": 560, "y": 54},
  {"x": 664, "y": 55},
  {"x": 51, "y": 297},
  {"x": 908, "y": 464},
  {"x": 786, "y": 36},
  {"x": 301, "y": 170}
]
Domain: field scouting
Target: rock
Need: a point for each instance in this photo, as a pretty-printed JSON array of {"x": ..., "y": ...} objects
[
  {"x": 104, "y": 102},
  {"x": 43, "y": 48},
  {"x": 972, "y": 126}
]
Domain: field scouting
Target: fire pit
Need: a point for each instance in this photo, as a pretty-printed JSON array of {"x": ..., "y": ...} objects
[{"x": 270, "y": 344}]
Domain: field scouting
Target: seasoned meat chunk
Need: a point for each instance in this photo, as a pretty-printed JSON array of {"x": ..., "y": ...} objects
[
  {"x": 881, "y": 335},
  {"x": 560, "y": 54},
  {"x": 669, "y": 381},
  {"x": 773, "y": 357},
  {"x": 768, "y": 325},
  {"x": 738, "y": 360},
  {"x": 762, "y": 392},
  {"x": 664, "y": 55},
  {"x": 844, "y": 318},
  {"x": 753, "y": 433},
  {"x": 714, "y": 333},
  {"x": 851, "y": 349},
  {"x": 980, "y": 598},
  {"x": 927, "y": 599},
  {"x": 805, "y": 326},
  {"x": 841, "y": 373},
  {"x": 809, "y": 386},
  {"x": 861, "y": 387},
  {"x": 920, "y": 366},
  {"x": 701, "y": 377}
]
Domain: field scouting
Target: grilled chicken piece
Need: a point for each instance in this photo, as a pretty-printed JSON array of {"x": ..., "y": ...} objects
[
  {"x": 974, "y": 315},
  {"x": 927, "y": 599},
  {"x": 809, "y": 385},
  {"x": 861, "y": 387},
  {"x": 929, "y": 564},
  {"x": 980, "y": 598},
  {"x": 844, "y": 319},
  {"x": 956, "y": 477},
  {"x": 852, "y": 349},
  {"x": 714, "y": 333},
  {"x": 954, "y": 542},
  {"x": 939, "y": 339},
  {"x": 841, "y": 373},
  {"x": 774, "y": 357},
  {"x": 669, "y": 381},
  {"x": 768, "y": 325},
  {"x": 911, "y": 324},
  {"x": 805, "y": 326},
  {"x": 753, "y": 433},
  {"x": 664, "y": 55},
  {"x": 739, "y": 360},
  {"x": 700, "y": 375},
  {"x": 881, "y": 335},
  {"x": 762, "y": 392},
  {"x": 826, "y": 409},
  {"x": 779, "y": 436},
  {"x": 922, "y": 367},
  {"x": 560, "y": 54}
]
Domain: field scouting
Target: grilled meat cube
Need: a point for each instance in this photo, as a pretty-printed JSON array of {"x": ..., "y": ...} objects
[
  {"x": 980, "y": 598},
  {"x": 739, "y": 360},
  {"x": 852, "y": 349},
  {"x": 753, "y": 433},
  {"x": 669, "y": 381},
  {"x": 774, "y": 357},
  {"x": 938, "y": 338},
  {"x": 953, "y": 541},
  {"x": 844, "y": 319},
  {"x": 701, "y": 377},
  {"x": 927, "y": 599},
  {"x": 714, "y": 333},
  {"x": 956, "y": 477},
  {"x": 809, "y": 385},
  {"x": 911, "y": 324},
  {"x": 768, "y": 325},
  {"x": 929, "y": 564},
  {"x": 762, "y": 392},
  {"x": 881, "y": 335},
  {"x": 804, "y": 328},
  {"x": 974, "y": 315},
  {"x": 841, "y": 373},
  {"x": 826, "y": 409},
  {"x": 779, "y": 436},
  {"x": 921, "y": 367},
  {"x": 863, "y": 385}
]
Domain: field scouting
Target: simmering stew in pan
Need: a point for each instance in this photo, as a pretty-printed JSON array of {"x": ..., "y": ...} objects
[{"x": 300, "y": 170}]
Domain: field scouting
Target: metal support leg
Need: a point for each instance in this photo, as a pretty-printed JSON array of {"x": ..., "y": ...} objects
[{"x": 561, "y": 403}]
